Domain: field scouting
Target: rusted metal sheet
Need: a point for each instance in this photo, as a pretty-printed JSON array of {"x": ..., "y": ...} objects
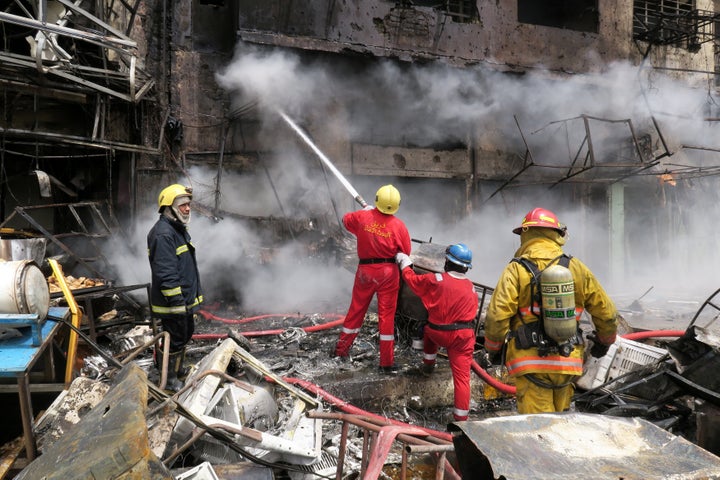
[
  {"x": 111, "y": 441},
  {"x": 574, "y": 445},
  {"x": 66, "y": 411}
]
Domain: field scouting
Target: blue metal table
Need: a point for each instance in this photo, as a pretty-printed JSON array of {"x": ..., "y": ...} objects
[{"x": 19, "y": 355}]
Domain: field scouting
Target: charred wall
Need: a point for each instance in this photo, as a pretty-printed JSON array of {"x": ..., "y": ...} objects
[
  {"x": 516, "y": 35},
  {"x": 205, "y": 126}
]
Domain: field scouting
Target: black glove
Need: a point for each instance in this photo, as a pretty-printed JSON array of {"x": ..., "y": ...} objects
[
  {"x": 488, "y": 359},
  {"x": 598, "y": 350},
  {"x": 485, "y": 361}
]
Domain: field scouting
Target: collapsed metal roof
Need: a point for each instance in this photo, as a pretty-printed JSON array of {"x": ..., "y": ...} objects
[{"x": 60, "y": 56}]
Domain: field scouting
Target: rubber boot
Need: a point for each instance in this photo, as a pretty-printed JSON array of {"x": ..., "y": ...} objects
[
  {"x": 158, "y": 357},
  {"x": 184, "y": 369},
  {"x": 173, "y": 383}
]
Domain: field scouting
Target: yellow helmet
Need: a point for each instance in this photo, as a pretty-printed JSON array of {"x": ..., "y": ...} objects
[
  {"x": 387, "y": 199},
  {"x": 169, "y": 194}
]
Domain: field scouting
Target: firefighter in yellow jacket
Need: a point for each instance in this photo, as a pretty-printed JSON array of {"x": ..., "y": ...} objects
[{"x": 544, "y": 368}]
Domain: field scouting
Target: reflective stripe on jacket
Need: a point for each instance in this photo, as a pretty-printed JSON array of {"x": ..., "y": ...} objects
[
  {"x": 511, "y": 301},
  {"x": 175, "y": 286}
]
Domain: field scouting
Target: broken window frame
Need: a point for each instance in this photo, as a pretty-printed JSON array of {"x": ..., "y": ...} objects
[
  {"x": 585, "y": 160},
  {"x": 459, "y": 11},
  {"x": 676, "y": 23}
]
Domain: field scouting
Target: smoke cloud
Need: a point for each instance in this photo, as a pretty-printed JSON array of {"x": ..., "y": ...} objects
[{"x": 667, "y": 240}]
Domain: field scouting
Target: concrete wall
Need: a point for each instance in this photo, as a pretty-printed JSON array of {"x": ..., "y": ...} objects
[{"x": 496, "y": 38}]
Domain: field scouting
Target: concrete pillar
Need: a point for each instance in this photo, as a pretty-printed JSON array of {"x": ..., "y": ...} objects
[{"x": 616, "y": 220}]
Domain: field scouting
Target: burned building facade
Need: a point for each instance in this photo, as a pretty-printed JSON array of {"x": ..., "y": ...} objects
[
  {"x": 477, "y": 110},
  {"x": 603, "y": 111}
]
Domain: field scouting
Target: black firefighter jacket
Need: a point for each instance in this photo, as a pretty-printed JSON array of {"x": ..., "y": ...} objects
[{"x": 175, "y": 287}]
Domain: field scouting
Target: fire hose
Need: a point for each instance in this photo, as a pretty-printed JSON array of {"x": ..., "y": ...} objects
[
  {"x": 511, "y": 390},
  {"x": 260, "y": 333},
  {"x": 348, "y": 408}
]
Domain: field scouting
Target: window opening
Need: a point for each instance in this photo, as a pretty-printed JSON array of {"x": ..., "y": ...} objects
[
  {"x": 461, "y": 11},
  {"x": 580, "y": 15}
]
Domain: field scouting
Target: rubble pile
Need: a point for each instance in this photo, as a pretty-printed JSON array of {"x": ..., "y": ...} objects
[{"x": 265, "y": 399}]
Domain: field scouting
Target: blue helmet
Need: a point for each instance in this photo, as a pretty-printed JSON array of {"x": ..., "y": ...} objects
[{"x": 459, "y": 254}]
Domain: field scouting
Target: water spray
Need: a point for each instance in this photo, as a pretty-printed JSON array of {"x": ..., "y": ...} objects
[{"x": 325, "y": 159}]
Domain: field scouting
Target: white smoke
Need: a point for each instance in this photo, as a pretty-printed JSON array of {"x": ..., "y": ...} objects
[
  {"x": 236, "y": 262},
  {"x": 429, "y": 105}
]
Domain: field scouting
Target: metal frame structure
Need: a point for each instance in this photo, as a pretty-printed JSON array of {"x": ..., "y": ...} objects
[
  {"x": 104, "y": 227},
  {"x": 56, "y": 20},
  {"x": 671, "y": 22},
  {"x": 74, "y": 59},
  {"x": 586, "y": 158},
  {"x": 378, "y": 438}
]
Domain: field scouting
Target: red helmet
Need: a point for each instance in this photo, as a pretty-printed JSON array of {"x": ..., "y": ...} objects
[{"x": 539, "y": 217}]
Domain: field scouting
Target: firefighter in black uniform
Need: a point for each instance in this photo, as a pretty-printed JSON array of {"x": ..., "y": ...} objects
[{"x": 175, "y": 293}]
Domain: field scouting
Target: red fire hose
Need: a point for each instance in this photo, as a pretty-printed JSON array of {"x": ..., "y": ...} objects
[
  {"x": 348, "y": 408},
  {"x": 259, "y": 333},
  {"x": 492, "y": 381},
  {"x": 511, "y": 390},
  {"x": 653, "y": 334}
]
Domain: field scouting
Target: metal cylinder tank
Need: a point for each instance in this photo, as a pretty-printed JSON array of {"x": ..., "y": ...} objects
[
  {"x": 23, "y": 289},
  {"x": 558, "y": 298}
]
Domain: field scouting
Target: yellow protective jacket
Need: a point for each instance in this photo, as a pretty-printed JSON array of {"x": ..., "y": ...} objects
[{"x": 511, "y": 301}]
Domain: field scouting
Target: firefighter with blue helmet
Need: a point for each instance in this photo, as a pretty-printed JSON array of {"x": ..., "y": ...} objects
[{"x": 452, "y": 305}]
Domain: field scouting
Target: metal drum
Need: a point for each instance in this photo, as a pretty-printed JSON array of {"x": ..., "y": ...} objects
[{"x": 23, "y": 289}]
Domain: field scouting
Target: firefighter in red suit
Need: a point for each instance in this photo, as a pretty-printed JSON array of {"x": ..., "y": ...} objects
[
  {"x": 380, "y": 235},
  {"x": 452, "y": 305}
]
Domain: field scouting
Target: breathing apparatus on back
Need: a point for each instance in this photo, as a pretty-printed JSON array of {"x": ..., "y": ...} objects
[
  {"x": 552, "y": 297},
  {"x": 557, "y": 290},
  {"x": 552, "y": 294}
]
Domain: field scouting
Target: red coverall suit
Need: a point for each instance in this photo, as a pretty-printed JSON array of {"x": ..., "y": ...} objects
[
  {"x": 452, "y": 305},
  {"x": 379, "y": 238}
]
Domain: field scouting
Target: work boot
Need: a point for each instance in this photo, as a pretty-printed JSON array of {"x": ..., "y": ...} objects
[
  {"x": 342, "y": 358},
  {"x": 389, "y": 370},
  {"x": 158, "y": 357},
  {"x": 427, "y": 369}
]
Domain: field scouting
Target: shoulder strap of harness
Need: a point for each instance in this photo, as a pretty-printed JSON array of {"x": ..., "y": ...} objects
[
  {"x": 563, "y": 260},
  {"x": 530, "y": 266}
]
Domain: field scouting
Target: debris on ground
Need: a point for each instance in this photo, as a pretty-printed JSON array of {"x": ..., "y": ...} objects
[{"x": 266, "y": 399}]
